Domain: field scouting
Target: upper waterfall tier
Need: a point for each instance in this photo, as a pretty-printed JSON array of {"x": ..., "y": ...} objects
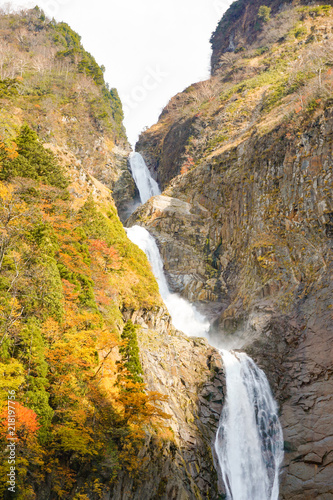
[{"x": 146, "y": 185}]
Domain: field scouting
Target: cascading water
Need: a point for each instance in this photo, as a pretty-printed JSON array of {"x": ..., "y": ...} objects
[
  {"x": 146, "y": 185},
  {"x": 249, "y": 441},
  {"x": 184, "y": 316}
]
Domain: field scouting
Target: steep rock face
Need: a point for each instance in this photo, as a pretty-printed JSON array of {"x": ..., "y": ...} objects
[
  {"x": 241, "y": 26},
  {"x": 296, "y": 352},
  {"x": 190, "y": 373},
  {"x": 249, "y": 218},
  {"x": 265, "y": 209},
  {"x": 265, "y": 203},
  {"x": 163, "y": 150},
  {"x": 117, "y": 176},
  {"x": 182, "y": 232}
]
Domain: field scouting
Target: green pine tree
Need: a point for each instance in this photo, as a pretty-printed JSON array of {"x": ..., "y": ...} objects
[
  {"x": 33, "y": 161},
  {"x": 130, "y": 352}
]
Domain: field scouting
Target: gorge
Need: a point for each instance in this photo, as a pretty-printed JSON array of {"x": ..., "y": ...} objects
[
  {"x": 249, "y": 440},
  {"x": 165, "y": 312}
]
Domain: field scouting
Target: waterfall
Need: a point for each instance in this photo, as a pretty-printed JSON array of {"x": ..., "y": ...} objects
[
  {"x": 249, "y": 441},
  {"x": 145, "y": 183},
  {"x": 184, "y": 316}
]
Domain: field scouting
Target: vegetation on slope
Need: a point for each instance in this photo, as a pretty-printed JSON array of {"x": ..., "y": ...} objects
[
  {"x": 68, "y": 273},
  {"x": 285, "y": 74},
  {"x": 65, "y": 278},
  {"x": 49, "y": 81},
  {"x": 243, "y": 24},
  {"x": 26, "y": 157}
]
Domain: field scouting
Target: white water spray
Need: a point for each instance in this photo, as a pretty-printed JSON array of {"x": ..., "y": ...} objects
[
  {"x": 146, "y": 185},
  {"x": 184, "y": 316},
  {"x": 249, "y": 441}
]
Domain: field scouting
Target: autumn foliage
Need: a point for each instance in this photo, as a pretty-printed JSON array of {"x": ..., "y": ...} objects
[
  {"x": 65, "y": 276},
  {"x": 26, "y": 422}
]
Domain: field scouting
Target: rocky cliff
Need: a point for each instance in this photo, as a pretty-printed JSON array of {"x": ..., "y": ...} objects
[{"x": 245, "y": 219}]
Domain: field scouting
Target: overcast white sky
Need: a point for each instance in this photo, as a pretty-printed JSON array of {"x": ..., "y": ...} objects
[{"x": 151, "y": 49}]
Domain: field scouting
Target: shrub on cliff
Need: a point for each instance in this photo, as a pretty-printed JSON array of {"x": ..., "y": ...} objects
[{"x": 264, "y": 13}]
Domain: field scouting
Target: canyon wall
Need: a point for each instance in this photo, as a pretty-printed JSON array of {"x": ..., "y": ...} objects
[{"x": 245, "y": 220}]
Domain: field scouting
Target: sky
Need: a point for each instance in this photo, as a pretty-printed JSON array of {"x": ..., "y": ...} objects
[{"x": 151, "y": 49}]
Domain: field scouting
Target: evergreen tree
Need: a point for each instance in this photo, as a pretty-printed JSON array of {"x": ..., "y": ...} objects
[
  {"x": 33, "y": 161},
  {"x": 130, "y": 352}
]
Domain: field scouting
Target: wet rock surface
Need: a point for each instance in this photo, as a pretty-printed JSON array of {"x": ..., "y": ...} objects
[{"x": 116, "y": 176}]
